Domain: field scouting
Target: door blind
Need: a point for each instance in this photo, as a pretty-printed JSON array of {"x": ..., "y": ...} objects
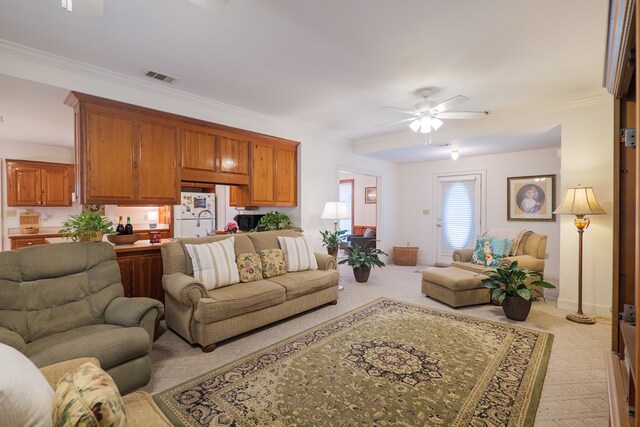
[{"x": 458, "y": 198}]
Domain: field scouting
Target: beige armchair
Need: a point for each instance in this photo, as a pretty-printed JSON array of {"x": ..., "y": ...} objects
[{"x": 65, "y": 301}]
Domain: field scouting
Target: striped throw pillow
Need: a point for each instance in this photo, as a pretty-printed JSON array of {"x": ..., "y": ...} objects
[
  {"x": 214, "y": 264},
  {"x": 298, "y": 253}
]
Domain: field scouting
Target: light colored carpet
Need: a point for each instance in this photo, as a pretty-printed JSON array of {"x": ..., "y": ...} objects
[{"x": 574, "y": 392}]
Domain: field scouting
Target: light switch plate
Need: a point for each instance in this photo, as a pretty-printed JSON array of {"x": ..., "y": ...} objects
[{"x": 426, "y": 212}]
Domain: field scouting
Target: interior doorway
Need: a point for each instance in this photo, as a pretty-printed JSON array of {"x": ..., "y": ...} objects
[{"x": 360, "y": 193}]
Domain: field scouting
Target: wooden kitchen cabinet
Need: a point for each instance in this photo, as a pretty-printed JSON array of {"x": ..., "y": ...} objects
[
  {"x": 39, "y": 183},
  {"x": 124, "y": 156},
  {"x": 273, "y": 175},
  {"x": 211, "y": 156},
  {"x": 141, "y": 272}
]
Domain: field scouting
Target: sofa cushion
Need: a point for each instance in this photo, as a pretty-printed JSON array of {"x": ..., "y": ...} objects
[
  {"x": 305, "y": 282},
  {"x": 214, "y": 264},
  {"x": 249, "y": 267},
  {"x": 298, "y": 253},
  {"x": 238, "y": 299},
  {"x": 175, "y": 258},
  {"x": 88, "y": 397},
  {"x": 269, "y": 239},
  {"x": 369, "y": 233},
  {"x": 469, "y": 266},
  {"x": 272, "y": 263},
  {"x": 453, "y": 278},
  {"x": 110, "y": 344},
  {"x": 26, "y": 399}
]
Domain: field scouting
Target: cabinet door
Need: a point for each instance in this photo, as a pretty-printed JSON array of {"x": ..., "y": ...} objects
[
  {"x": 108, "y": 169},
  {"x": 157, "y": 166},
  {"x": 198, "y": 153},
  {"x": 57, "y": 185},
  {"x": 234, "y": 156},
  {"x": 23, "y": 184},
  {"x": 148, "y": 277},
  {"x": 262, "y": 158},
  {"x": 26, "y": 242},
  {"x": 126, "y": 265},
  {"x": 233, "y": 195},
  {"x": 285, "y": 177}
]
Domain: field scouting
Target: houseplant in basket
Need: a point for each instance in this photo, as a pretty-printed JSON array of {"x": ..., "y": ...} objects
[
  {"x": 332, "y": 240},
  {"x": 361, "y": 260},
  {"x": 511, "y": 287},
  {"x": 86, "y": 226},
  {"x": 274, "y": 220}
]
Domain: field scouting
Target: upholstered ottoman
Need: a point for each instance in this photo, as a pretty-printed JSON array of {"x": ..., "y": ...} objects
[{"x": 454, "y": 286}]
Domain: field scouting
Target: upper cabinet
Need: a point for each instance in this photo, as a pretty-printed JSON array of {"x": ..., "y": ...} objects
[
  {"x": 124, "y": 156},
  {"x": 127, "y": 154},
  {"x": 39, "y": 183},
  {"x": 212, "y": 156},
  {"x": 273, "y": 175}
]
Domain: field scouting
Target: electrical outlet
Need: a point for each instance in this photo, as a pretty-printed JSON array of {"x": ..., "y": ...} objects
[{"x": 11, "y": 212}]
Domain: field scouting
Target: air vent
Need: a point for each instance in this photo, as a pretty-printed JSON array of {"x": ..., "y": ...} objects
[{"x": 160, "y": 76}]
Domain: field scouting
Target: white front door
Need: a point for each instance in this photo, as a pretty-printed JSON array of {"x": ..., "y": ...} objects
[{"x": 459, "y": 213}]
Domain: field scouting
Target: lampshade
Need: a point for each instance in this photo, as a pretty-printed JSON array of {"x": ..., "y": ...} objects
[
  {"x": 580, "y": 201},
  {"x": 335, "y": 211}
]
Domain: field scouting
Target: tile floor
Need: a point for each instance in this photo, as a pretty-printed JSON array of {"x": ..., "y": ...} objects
[{"x": 574, "y": 392}]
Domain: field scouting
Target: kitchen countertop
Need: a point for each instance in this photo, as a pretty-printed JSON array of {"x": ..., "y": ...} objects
[{"x": 137, "y": 246}]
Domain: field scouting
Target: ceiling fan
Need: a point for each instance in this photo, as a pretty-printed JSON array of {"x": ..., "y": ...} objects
[
  {"x": 428, "y": 114},
  {"x": 96, "y": 7}
]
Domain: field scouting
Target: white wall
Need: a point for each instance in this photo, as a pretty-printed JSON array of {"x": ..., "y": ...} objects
[
  {"x": 35, "y": 152},
  {"x": 417, "y": 192},
  {"x": 363, "y": 213}
]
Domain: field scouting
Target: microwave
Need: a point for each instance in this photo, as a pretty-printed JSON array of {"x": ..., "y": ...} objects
[{"x": 247, "y": 222}]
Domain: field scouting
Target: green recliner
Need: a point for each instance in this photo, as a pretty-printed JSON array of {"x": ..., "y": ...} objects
[{"x": 64, "y": 301}]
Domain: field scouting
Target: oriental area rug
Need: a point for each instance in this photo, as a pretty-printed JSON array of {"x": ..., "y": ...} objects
[{"x": 386, "y": 363}]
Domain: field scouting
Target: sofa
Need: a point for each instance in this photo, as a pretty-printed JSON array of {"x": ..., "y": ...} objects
[
  {"x": 206, "y": 317},
  {"x": 64, "y": 301},
  {"x": 363, "y": 236},
  {"x": 459, "y": 284}
]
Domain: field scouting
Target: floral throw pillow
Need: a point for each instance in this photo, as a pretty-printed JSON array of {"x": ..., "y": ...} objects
[
  {"x": 88, "y": 397},
  {"x": 489, "y": 252},
  {"x": 249, "y": 267},
  {"x": 482, "y": 244},
  {"x": 272, "y": 262}
]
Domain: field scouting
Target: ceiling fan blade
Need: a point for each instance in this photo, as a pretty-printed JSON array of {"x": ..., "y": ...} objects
[
  {"x": 396, "y": 122},
  {"x": 449, "y": 104},
  {"x": 211, "y": 5},
  {"x": 460, "y": 115},
  {"x": 84, "y": 7},
  {"x": 402, "y": 110}
]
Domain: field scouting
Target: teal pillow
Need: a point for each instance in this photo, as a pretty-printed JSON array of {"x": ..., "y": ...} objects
[{"x": 501, "y": 247}]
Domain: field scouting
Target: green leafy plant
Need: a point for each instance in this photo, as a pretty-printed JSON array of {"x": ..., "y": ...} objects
[
  {"x": 513, "y": 281},
  {"x": 332, "y": 238},
  {"x": 274, "y": 220},
  {"x": 358, "y": 257},
  {"x": 85, "y": 226}
]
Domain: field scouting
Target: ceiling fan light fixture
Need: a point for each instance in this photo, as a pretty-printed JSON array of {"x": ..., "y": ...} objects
[
  {"x": 67, "y": 5},
  {"x": 436, "y": 123},
  {"x": 415, "y": 125},
  {"x": 455, "y": 154}
]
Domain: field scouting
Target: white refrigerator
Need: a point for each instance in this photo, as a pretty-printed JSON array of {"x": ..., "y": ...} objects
[{"x": 195, "y": 215}]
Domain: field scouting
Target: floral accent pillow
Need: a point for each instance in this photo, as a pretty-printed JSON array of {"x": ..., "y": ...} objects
[
  {"x": 489, "y": 252},
  {"x": 482, "y": 244},
  {"x": 272, "y": 262},
  {"x": 249, "y": 267},
  {"x": 88, "y": 397}
]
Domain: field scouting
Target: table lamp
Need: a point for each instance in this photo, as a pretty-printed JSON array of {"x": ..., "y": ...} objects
[
  {"x": 335, "y": 211},
  {"x": 580, "y": 201}
]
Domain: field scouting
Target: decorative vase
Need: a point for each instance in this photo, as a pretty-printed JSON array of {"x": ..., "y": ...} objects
[
  {"x": 361, "y": 274},
  {"x": 332, "y": 250},
  {"x": 516, "y": 308}
]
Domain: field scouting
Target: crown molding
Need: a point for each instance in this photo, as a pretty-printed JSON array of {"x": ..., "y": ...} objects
[{"x": 57, "y": 62}]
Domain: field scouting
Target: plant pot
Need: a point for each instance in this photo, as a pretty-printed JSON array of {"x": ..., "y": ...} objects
[
  {"x": 516, "y": 308},
  {"x": 361, "y": 274},
  {"x": 332, "y": 250}
]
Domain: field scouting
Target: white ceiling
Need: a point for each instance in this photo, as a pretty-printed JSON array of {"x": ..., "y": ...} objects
[{"x": 329, "y": 65}]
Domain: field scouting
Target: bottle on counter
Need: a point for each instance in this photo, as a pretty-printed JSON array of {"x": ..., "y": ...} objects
[
  {"x": 128, "y": 229},
  {"x": 120, "y": 227}
]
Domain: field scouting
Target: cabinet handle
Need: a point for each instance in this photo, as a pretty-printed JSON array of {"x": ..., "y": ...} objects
[{"x": 29, "y": 243}]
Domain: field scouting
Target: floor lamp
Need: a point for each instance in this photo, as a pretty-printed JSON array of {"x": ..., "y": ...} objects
[
  {"x": 335, "y": 211},
  {"x": 580, "y": 201}
]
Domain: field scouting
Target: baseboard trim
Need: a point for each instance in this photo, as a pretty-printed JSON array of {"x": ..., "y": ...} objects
[{"x": 589, "y": 309}]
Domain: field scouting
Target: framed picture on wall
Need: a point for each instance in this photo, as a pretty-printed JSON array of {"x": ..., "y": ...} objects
[
  {"x": 531, "y": 198},
  {"x": 370, "y": 195}
]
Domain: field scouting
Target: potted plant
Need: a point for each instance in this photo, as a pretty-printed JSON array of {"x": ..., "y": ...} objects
[
  {"x": 332, "y": 240},
  {"x": 86, "y": 226},
  {"x": 231, "y": 228},
  {"x": 274, "y": 220},
  {"x": 361, "y": 260},
  {"x": 511, "y": 287}
]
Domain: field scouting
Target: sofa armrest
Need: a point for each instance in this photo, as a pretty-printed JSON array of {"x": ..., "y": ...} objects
[
  {"x": 53, "y": 373},
  {"x": 463, "y": 255},
  {"x": 130, "y": 311},
  {"x": 325, "y": 261},
  {"x": 184, "y": 288},
  {"x": 12, "y": 339},
  {"x": 525, "y": 261}
]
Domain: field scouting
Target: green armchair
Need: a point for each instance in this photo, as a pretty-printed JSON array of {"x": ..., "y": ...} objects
[{"x": 64, "y": 301}]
